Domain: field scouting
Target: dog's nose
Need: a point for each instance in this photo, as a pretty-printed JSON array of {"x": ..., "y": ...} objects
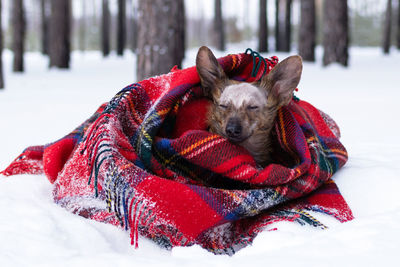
[{"x": 233, "y": 129}]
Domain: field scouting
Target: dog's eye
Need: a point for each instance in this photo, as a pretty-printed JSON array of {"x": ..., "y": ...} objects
[
  {"x": 223, "y": 106},
  {"x": 252, "y": 107}
]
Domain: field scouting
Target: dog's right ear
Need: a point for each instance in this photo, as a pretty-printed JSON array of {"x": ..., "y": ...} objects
[
  {"x": 212, "y": 76},
  {"x": 283, "y": 80}
]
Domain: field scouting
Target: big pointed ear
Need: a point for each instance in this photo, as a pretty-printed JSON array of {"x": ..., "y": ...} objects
[
  {"x": 282, "y": 80},
  {"x": 212, "y": 76}
]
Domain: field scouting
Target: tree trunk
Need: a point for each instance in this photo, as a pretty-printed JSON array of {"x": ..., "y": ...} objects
[
  {"x": 263, "y": 27},
  {"x": 18, "y": 21},
  {"x": 277, "y": 27},
  {"x": 288, "y": 26},
  {"x": 105, "y": 29},
  {"x": 219, "y": 31},
  {"x": 336, "y": 32},
  {"x": 1, "y": 51},
  {"x": 60, "y": 22},
  {"x": 121, "y": 36},
  {"x": 387, "y": 30},
  {"x": 307, "y": 31},
  {"x": 398, "y": 25},
  {"x": 180, "y": 34},
  {"x": 134, "y": 27},
  {"x": 284, "y": 27},
  {"x": 44, "y": 14},
  {"x": 158, "y": 40}
]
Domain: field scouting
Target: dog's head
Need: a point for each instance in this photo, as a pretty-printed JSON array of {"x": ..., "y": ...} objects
[{"x": 240, "y": 109}]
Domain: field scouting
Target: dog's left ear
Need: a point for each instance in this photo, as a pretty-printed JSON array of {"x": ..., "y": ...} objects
[
  {"x": 212, "y": 76},
  {"x": 282, "y": 80}
]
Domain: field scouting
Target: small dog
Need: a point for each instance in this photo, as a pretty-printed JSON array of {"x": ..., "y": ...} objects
[{"x": 242, "y": 112}]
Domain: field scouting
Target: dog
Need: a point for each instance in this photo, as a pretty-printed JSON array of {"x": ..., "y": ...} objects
[{"x": 244, "y": 113}]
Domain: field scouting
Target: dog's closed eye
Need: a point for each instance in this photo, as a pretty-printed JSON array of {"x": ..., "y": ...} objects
[
  {"x": 252, "y": 107},
  {"x": 223, "y": 106}
]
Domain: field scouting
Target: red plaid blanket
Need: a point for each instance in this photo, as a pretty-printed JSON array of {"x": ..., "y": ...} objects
[{"x": 145, "y": 161}]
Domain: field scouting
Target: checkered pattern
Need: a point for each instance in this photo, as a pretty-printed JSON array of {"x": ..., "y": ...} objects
[{"x": 145, "y": 161}]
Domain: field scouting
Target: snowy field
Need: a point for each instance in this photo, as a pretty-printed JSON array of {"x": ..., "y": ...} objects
[{"x": 42, "y": 105}]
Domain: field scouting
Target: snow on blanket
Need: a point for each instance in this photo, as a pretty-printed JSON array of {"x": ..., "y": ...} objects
[{"x": 146, "y": 162}]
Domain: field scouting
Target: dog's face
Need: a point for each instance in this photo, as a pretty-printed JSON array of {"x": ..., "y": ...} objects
[
  {"x": 243, "y": 110},
  {"x": 239, "y": 111}
]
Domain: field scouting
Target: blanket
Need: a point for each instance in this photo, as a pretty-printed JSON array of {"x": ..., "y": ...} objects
[{"x": 146, "y": 162}]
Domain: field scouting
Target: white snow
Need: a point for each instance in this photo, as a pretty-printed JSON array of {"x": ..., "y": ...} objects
[{"x": 42, "y": 105}]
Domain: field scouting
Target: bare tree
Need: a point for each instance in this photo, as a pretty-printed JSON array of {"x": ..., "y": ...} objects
[
  {"x": 18, "y": 37},
  {"x": 157, "y": 37},
  {"x": 219, "y": 31},
  {"x": 283, "y": 29},
  {"x": 307, "y": 31},
  {"x": 44, "y": 14},
  {"x": 398, "y": 25},
  {"x": 288, "y": 26},
  {"x": 1, "y": 51},
  {"x": 336, "y": 32},
  {"x": 387, "y": 28},
  {"x": 277, "y": 26},
  {"x": 105, "y": 29},
  {"x": 121, "y": 27},
  {"x": 263, "y": 27},
  {"x": 60, "y": 44},
  {"x": 180, "y": 33}
]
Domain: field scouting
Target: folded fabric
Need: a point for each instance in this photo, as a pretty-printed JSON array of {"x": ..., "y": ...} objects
[{"x": 145, "y": 161}]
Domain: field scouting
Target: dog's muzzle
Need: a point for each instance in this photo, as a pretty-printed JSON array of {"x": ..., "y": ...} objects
[{"x": 234, "y": 130}]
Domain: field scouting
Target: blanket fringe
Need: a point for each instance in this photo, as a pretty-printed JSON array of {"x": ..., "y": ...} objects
[
  {"x": 306, "y": 217},
  {"x": 135, "y": 225}
]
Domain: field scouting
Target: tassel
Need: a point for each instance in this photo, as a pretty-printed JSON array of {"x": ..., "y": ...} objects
[
  {"x": 311, "y": 220},
  {"x": 134, "y": 225}
]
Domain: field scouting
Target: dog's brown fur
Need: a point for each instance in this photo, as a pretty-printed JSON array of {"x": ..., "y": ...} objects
[{"x": 245, "y": 112}]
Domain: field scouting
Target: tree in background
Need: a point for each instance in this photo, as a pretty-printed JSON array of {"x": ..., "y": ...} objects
[
  {"x": 387, "y": 28},
  {"x": 398, "y": 25},
  {"x": 219, "y": 32},
  {"x": 105, "y": 28},
  {"x": 307, "y": 30},
  {"x": 335, "y": 32},
  {"x": 277, "y": 26},
  {"x": 44, "y": 21},
  {"x": 263, "y": 27},
  {"x": 283, "y": 27},
  {"x": 60, "y": 44},
  {"x": 121, "y": 27},
  {"x": 134, "y": 26},
  {"x": 180, "y": 35},
  {"x": 1, "y": 51},
  {"x": 157, "y": 37},
  {"x": 18, "y": 37},
  {"x": 288, "y": 26}
]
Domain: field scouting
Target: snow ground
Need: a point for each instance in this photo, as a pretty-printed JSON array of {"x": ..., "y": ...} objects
[{"x": 43, "y": 105}]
